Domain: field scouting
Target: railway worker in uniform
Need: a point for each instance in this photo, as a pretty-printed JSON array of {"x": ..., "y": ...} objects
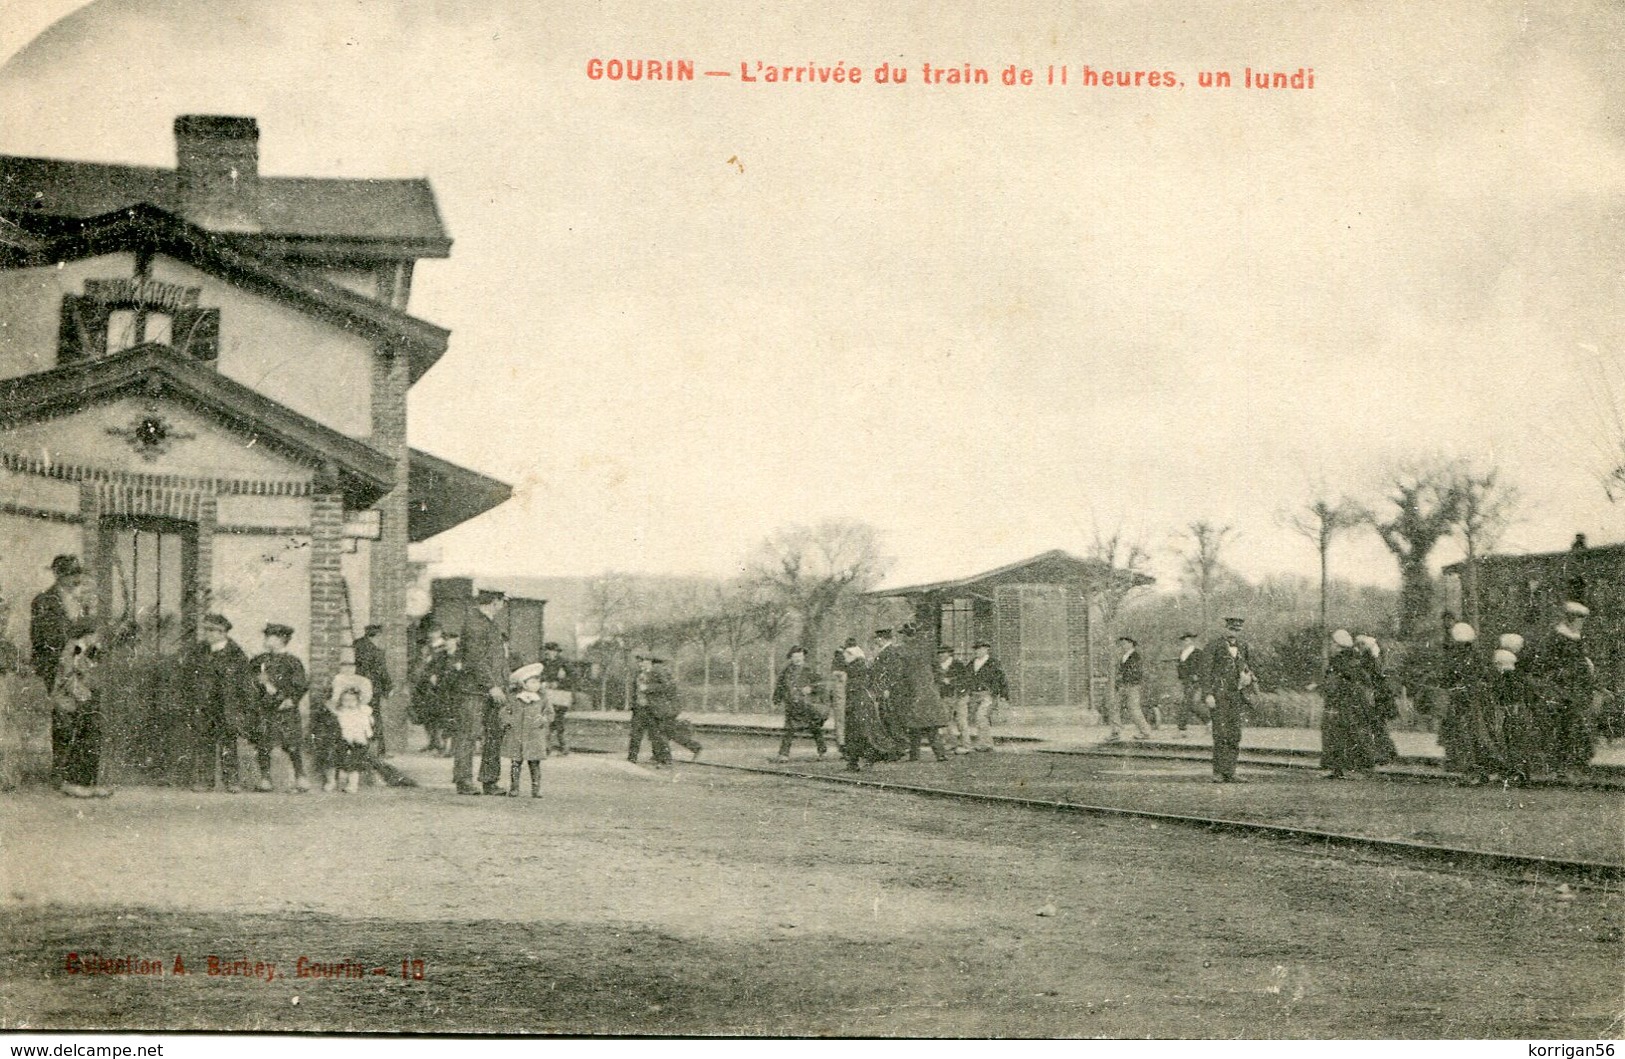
[
  {"x": 1130, "y": 690},
  {"x": 527, "y": 718},
  {"x": 795, "y": 692},
  {"x": 949, "y": 675},
  {"x": 1189, "y": 671},
  {"x": 482, "y": 694},
  {"x": 558, "y": 685},
  {"x": 370, "y": 663},
  {"x": 1564, "y": 678},
  {"x": 921, "y": 711},
  {"x": 1227, "y": 682},
  {"x": 984, "y": 686},
  {"x": 279, "y": 683},
  {"x": 220, "y": 690},
  {"x": 1345, "y": 738}
]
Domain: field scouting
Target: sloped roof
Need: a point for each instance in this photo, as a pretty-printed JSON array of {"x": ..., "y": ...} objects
[
  {"x": 1051, "y": 567},
  {"x": 389, "y": 218},
  {"x": 149, "y": 227},
  {"x": 364, "y": 473},
  {"x": 444, "y": 495}
]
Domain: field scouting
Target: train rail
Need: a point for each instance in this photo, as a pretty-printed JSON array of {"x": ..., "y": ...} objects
[
  {"x": 1517, "y": 867},
  {"x": 1404, "y": 771}
]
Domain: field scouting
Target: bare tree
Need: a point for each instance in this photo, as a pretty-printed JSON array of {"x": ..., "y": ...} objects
[
  {"x": 1203, "y": 560},
  {"x": 737, "y": 625},
  {"x": 1421, "y": 507},
  {"x": 1320, "y": 522},
  {"x": 811, "y": 570},
  {"x": 1486, "y": 505},
  {"x": 612, "y": 599},
  {"x": 769, "y": 618},
  {"x": 1605, "y": 424}
]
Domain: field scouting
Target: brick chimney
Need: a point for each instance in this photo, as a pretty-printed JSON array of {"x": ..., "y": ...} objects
[{"x": 217, "y": 161}]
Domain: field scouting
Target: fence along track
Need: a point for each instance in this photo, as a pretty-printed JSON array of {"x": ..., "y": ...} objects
[{"x": 1521, "y": 867}]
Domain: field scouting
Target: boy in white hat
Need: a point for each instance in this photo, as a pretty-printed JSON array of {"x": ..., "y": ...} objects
[{"x": 526, "y": 717}]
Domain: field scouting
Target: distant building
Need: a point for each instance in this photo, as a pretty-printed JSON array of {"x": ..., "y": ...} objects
[
  {"x": 1523, "y": 594},
  {"x": 203, "y": 393},
  {"x": 1034, "y": 612}
]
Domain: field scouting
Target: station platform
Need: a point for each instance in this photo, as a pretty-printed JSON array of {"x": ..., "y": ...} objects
[{"x": 1415, "y": 748}]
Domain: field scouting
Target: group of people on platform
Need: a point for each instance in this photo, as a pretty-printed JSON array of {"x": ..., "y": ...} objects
[
  {"x": 1516, "y": 711},
  {"x": 887, "y": 704},
  {"x": 466, "y": 694}
]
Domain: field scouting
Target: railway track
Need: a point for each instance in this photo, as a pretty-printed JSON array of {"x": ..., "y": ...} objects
[
  {"x": 1518, "y": 867},
  {"x": 1402, "y": 771}
]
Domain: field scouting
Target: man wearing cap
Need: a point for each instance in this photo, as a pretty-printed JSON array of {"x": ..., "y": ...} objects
[
  {"x": 483, "y": 693},
  {"x": 370, "y": 663},
  {"x": 1189, "y": 671},
  {"x": 1227, "y": 680},
  {"x": 559, "y": 686},
  {"x": 279, "y": 682},
  {"x": 221, "y": 692},
  {"x": 914, "y": 692},
  {"x": 984, "y": 686},
  {"x": 888, "y": 684},
  {"x": 794, "y": 693},
  {"x": 654, "y": 713},
  {"x": 1130, "y": 690},
  {"x": 949, "y": 675},
  {"x": 52, "y": 612},
  {"x": 1564, "y": 677}
]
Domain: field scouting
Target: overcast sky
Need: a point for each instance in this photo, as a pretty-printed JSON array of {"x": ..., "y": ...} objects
[{"x": 983, "y": 319}]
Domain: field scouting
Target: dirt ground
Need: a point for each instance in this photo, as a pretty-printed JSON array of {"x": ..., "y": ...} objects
[
  {"x": 701, "y": 901},
  {"x": 1565, "y": 823}
]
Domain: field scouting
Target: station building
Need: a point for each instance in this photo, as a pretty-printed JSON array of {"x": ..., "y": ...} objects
[
  {"x": 1034, "y": 613},
  {"x": 203, "y": 394}
]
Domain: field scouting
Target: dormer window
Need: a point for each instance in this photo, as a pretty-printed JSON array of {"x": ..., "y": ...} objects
[{"x": 115, "y": 315}]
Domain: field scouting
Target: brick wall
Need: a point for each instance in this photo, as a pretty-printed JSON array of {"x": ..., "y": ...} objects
[
  {"x": 389, "y": 575},
  {"x": 1081, "y": 680},
  {"x": 1007, "y": 637},
  {"x": 327, "y": 597}
]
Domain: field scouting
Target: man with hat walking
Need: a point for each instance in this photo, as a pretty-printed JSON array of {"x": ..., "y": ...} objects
[
  {"x": 370, "y": 663},
  {"x": 984, "y": 685},
  {"x": 654, "y": 713},
  {"x": 221, "y": 692},
  {"x": 949, "y": 674},
  {"x": 1130, "y": 690},
  {"x": 1228, "y": 680},
  {"x": 794, "y": 693},
  {"x": 482, "y": 694},
  {"x": 280, "y": 682}
]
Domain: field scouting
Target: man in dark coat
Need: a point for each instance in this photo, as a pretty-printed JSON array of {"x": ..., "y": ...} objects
[
  {"x": 984, "y": 685},
  {"x": 220, "y": 690},
  {"x": 1130, "y": 690},
  {"x": 370, "y": 663},
  {"x": 556, "y": 676},
  {"x": 483, "y": 691},
  {"x": 1189, "y": 670},
  {"x": 654, "y": 713},
  {"x": 1228, "y": 681},
  {"x": 949, "y": 674},
  {"x": 888, "y": 685},
  {"x": 913, "y": 688},
  {"x": 279, "y": 682},
  {"x": 795, "y": 692},
  {"x": 51, "y": 615}
]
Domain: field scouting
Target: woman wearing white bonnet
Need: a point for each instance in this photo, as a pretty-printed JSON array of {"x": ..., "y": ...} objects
[
  {"x": 1345, "y": 725},
  {"x": 1513, "y": 643},
  {"x": 1464, "y": 731}
]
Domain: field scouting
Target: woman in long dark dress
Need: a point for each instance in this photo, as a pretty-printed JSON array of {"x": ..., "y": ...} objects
[
  {"x": 867, "y": 739},
  {"x": 1345, "y": 737},
  {"x": 1383, "y": 702},
  {"x": 1465, "y": 732}
]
